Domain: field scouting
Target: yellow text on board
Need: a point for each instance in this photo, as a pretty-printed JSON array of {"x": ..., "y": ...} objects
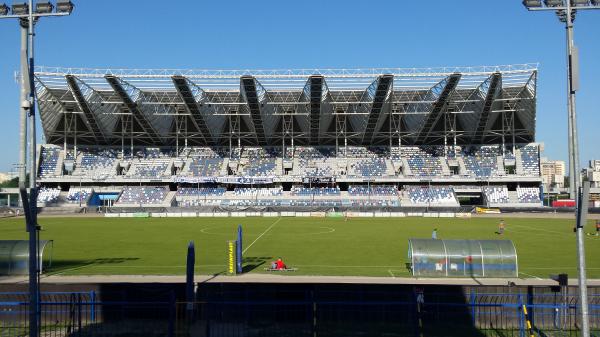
[{"x": 231, "y": 257}]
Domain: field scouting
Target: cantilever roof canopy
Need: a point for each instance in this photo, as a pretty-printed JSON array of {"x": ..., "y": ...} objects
[
  {"x": 14, "y": 256},
  {"x": 475, "y": 105},
  {"x": 462, "y": 258}
]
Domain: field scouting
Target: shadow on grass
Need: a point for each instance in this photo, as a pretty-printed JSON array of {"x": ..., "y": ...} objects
[
  {"x": 252, "y": 262},
  {"x": 248, "y": 264},
  {"x": 61, "y": 266}
]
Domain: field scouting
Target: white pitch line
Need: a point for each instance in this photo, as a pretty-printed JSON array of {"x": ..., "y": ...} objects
[
  {"x": 572, "y": 267},
  {"x": 530, "y": 275},
  {"x": 390, "y": 271},
  {"x": 540, "y": 229},
  {"x": 346, "y": 266},
  {"x": 263, "y": 233}
]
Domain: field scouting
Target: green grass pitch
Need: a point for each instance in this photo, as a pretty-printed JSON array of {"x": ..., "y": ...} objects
[{"x": 316, "y": 246}]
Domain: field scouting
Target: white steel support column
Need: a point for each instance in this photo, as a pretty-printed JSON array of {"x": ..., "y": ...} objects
[
  {"x": 66, "y": 123},
  {"x": 131, "y": 138},
  {"x": 75, "y": 137},
  {"x": 122, "y": 138},
  {"x": 34, "y": 273},
  {"x": 574, "y": 173},
  {"x": 24, "y": 106}
]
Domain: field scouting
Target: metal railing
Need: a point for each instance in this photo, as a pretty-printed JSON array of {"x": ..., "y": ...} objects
[{"x": 302, "y": 314}]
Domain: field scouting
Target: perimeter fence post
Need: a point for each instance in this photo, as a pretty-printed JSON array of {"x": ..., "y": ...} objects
[
  {"x": 520, "y": 316},
  {"x": 79, "y": 314},
  {"x": 314, "y": 313},
  {"x": 93, "y": 306},
  {"x": 530, "y": 304},
  {"x": 473, "y": 298},
  {"x": 171, "y": 307},
  {"x": 418, "y": 300}
]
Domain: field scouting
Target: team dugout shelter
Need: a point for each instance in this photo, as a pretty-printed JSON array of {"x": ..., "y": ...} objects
[
  {"x": 14, "y": 256},
  {"x": 462, "y": 258}
]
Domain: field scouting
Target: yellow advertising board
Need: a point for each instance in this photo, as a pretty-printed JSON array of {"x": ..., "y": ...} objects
[{"x": 231, "y": 258}]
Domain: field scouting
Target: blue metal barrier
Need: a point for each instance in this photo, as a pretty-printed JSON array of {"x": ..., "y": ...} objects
[{"x": 83, "y": 313}]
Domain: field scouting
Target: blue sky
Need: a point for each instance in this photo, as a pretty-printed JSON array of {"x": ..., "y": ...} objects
[{"x": 317, "y": 34}]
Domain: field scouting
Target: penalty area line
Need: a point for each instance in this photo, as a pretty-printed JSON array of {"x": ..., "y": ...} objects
[{"x": 263, "y": 233}]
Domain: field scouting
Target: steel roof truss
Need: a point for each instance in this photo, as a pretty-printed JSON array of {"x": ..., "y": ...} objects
[
  {"x": 129, "y": 95},
  {"x": 442, "y": 90}
]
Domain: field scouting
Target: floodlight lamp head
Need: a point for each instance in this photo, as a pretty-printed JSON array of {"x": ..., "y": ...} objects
[
  {"x": 44, "y": 7},
  {"x": 64, "y": 6},
  {"x": 4, "y": 9},
  {"x": 21, "y": 8},
  {"x": 562, "y": 15},
  {"x": 554, "y": 3},
  {"x": 532, "y": 3}
]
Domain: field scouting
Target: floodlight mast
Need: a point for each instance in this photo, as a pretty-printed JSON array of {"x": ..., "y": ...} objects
[
  {"x": 566, "y": 11},
  {"x": 27, "y": 16}
]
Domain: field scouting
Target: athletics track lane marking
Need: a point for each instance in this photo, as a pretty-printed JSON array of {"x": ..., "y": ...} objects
[{"x": 263, "y": 233}]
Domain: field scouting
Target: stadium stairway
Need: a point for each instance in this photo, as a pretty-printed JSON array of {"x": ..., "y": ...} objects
[
  {"x": 58, "y": 171},
  {"x": 404, "y": 198},
  {"x": 279, "y": 166},
  {"x": 518, "y": 162},
  {"x": 397, "y": 166},
  {"x": 500, "y": 163},
  {"x": 170, "y": 199},
  {"x": 223, "y": 171},
  {"x": 389, "y": 168},
  {"x": 341, "y": 165},
  {"x": 169, "y": 169},
  {"x": 462, "y": 168},
  {"x": 513, "y": 197},
  {"x": 62, "y": 199},
  {"x": 406, "y": 168},
  {"x": 296, "y": 166},
  {"x": 445, "y": 167},
  {"x": 115, "y": 166},
  {"x": 234, "y": 165},
  {"x": 78, "y": 160},
  {"x": 186, "y": 167}
]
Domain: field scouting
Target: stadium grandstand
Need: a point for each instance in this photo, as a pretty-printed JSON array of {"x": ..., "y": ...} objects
[{"x": 393, "y": 138}]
